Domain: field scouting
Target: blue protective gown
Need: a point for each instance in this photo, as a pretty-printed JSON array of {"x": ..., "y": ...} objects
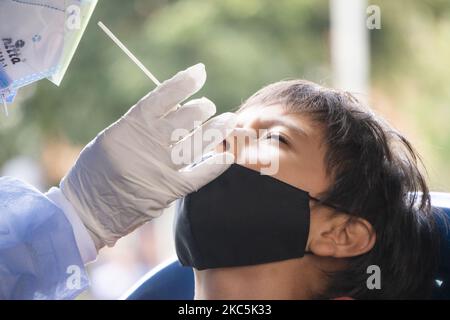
[{"x": 39, "y": 257}]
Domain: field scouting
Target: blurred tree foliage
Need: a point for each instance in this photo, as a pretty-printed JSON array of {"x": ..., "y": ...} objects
[
  {"x": 244, "y": 45},
  {"x": 410, "y": 64}
]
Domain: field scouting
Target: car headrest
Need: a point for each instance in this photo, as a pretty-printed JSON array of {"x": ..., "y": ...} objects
[{"x": 441, "y": 202}]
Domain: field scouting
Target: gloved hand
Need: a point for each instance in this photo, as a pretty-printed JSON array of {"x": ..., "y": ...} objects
[{"x": 125, "y": 176}]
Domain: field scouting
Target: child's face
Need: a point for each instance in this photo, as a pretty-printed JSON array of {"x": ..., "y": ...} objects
[
  {"x": 301, "y": 163},
  {"x": 301, "y": 153}
]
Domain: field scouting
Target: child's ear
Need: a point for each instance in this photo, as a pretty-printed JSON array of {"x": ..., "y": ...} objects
[{"x": 341, "y": 236}]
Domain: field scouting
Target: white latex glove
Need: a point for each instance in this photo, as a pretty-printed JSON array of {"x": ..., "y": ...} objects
[{"x": 125, "y": 176}]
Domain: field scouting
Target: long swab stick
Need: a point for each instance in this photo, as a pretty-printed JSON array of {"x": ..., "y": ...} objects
[{"x": 128, "y": 53}]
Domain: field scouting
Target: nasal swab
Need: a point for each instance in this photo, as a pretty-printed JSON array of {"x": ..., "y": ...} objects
[
  {"x": 128, "y": 53},
  {"x": 5, "y": 106}
]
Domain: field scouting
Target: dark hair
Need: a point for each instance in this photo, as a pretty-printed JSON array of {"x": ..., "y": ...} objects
[{"x": 376, "y": 177}]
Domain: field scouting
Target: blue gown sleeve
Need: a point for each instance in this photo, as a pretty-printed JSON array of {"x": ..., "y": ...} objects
[{"x": 39, "y": 257}]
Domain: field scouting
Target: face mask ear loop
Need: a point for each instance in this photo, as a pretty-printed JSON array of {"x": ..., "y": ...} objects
[{"x": 327, "y": 204}]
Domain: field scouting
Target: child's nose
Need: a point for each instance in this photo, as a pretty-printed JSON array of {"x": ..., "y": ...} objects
[{"x": 239, "y": 139}]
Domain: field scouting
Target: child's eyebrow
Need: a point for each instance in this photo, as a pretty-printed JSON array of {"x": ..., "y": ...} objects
[{"x": 283, "y": 122}]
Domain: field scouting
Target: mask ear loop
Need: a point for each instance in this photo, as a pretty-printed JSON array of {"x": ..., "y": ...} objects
[{"x": 339, "y": 209}]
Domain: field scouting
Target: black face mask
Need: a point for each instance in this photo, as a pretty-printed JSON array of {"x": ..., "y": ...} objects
[{"x": 241, "y": 218}]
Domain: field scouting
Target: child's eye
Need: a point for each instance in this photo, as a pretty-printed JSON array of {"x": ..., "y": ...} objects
[{"x": 276, "y": 136}]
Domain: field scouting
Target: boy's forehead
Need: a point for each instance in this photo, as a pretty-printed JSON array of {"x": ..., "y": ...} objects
[{"x": 260, "y": 113}]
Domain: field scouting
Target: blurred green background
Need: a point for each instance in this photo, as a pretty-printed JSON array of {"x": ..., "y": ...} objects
[{"x": 244, "y": 45}]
